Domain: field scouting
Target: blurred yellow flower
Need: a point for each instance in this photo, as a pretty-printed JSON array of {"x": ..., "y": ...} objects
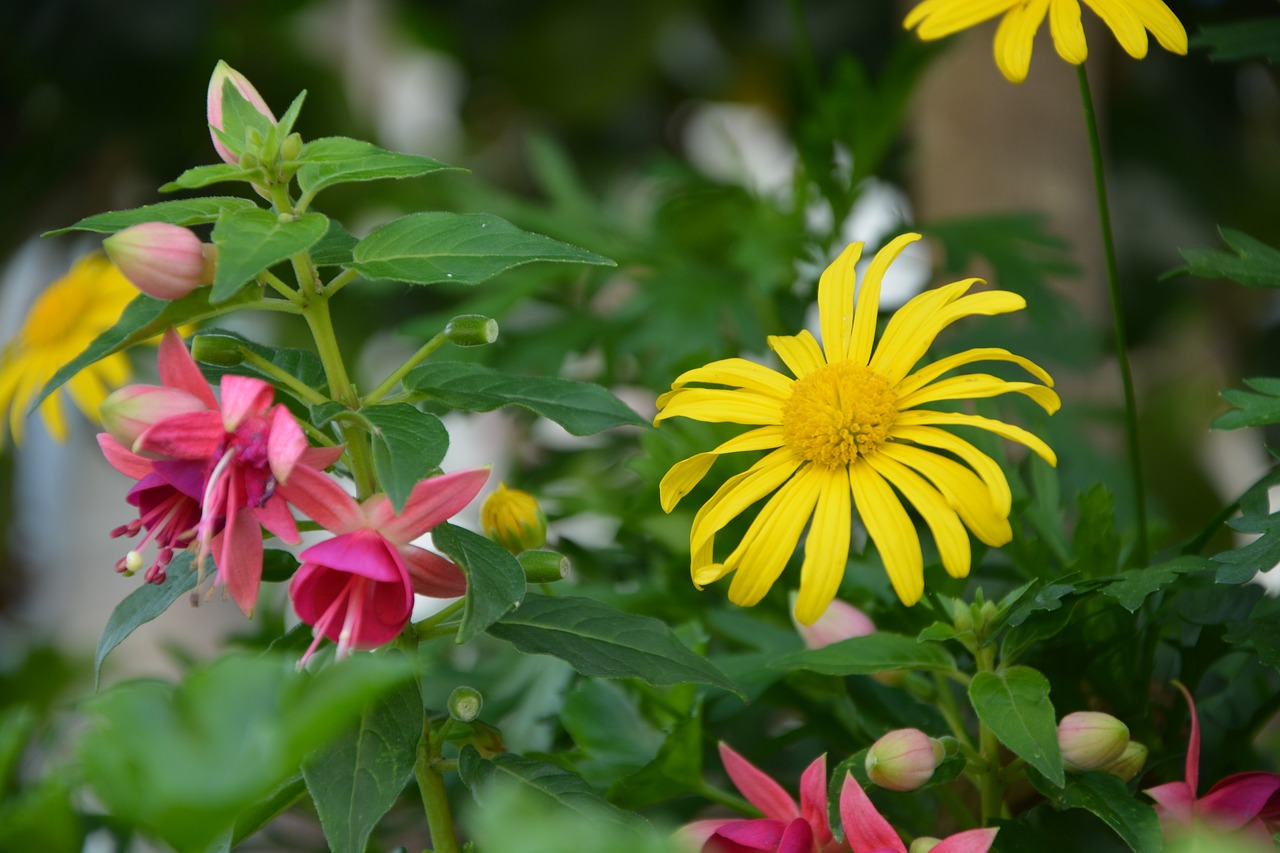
[
  {"x": 61, "y": 324},
  {"x": 850, "y": 425},
  {"x": 1129, "y": 20}
]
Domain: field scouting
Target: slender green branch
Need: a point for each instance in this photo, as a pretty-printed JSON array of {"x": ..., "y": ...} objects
[
  {"x": 301, "y": 391},
  {"x": 724, "y": 798},
  {"x": 435, "y": 800},
  {"x": 438, "y": 617},
  {"x": 340, "y": 281},
  {"x": 992, "y": 787},
  {"x": 386, "y": 385},
  {"x": 278, "y": 305},
  {"x": 1117, "y": 317},
  {"x": 951, "y": 711},
  {"x": 273, "y": 281}
]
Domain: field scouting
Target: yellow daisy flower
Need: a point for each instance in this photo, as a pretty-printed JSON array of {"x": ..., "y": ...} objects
[
  {"x": 849, "y": 431},
  {"x": 1129, "y": 20},
  {"x": 63, "y": 321}
]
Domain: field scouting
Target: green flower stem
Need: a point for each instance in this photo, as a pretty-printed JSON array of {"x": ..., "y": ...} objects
[
  {"x": 992, "y": 787},
  {"x": 400, "y": 372},
  {"x": 1117, "y": 316},
  {"x": 946, "y": 705},
  {"x": 340, "y": 281},
  {"x": 724, "y": 798},
  {"x": 302, "y": 392},
  {"x": 435, "y": 799},
  {"x": 436, "y": 618},
  {"x": 270, "y": 279},
  {"x": 280, "y": 306}
]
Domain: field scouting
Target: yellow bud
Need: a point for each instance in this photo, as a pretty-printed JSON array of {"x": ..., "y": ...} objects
[{"x": 513, "y": 519}]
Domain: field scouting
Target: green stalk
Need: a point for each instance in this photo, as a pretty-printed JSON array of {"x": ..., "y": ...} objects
[
  {"x": 302, "y": 392},
  {"x": 1117, "y": 316},
  {"x": 400, "y": 372},
  {"x": 435, "y": 800},
  {"x": 992, "y": 787}
]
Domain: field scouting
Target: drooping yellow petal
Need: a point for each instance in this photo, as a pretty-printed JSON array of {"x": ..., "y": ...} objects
[
  {"x": 930, "y": 372},
  {"x": 938, "y": 18},
  {"x": 87, "y": 392},
  {"x": 826, "y": 549},
  {"x": 1163, "y": 24},
  {"x": 963, "y": 490},
  {"x": 1015, "y": 37},
  {"x": 717, "y": 406},
  {"x": 1000, "y": 428},
  {"x": 703, "y": 568},
  {"x": 868, "y": 307},
  {"x": 1124, "y": 23},
  {"x": 739, "y": 373},
  {"x": 835, "y": 302},
  {"x": 986, "y": 468},
  {"x": 800, "y": 352},
  {"x": 1068, "y": 31},
  {"x": 772, "y": 536},
  {"x": 944, "y": 523},
  {"x": 740, "y": 492},
  {"x": 686, "y": 474},
  {"x": 907, "y": 335},
  {"x": 891, "y": 530},
  {"x": 973, "y": 386},
  {"x": 51, "y": 413}
]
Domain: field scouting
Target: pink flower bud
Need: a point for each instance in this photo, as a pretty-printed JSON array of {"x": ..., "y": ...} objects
[
  {"x": 162, "y": 260},
  {"x": 841, "y": 621},
  {"x": 129, "y": 411},
  {"x": 1130, "y": 762},
  {"x": 903, "y": 760},
  {"x": 221, "y": 73},
  {"x": 1090, "y": 740}
]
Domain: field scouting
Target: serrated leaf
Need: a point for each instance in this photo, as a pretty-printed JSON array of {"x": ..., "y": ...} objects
[
  {"x": 464, "y": 248},
  {"x": 882, "y": 651},
  {"x": 1256, "y": 38},
  {"x": 597, "y": 640},
  {"x": 1014, "y": 704},
  {"x": 580, "y": 407},
  {"x": 339, "y": 160},
  {"x": 407, "y": 446},
  {"x": 355, "y": 779},
  {"x": 1251, "y": 409},
  {"x": 495, "y": 581},
  {"x": 1135, "y": 585},
  {"x": 142, "y": 319},
  {"x": 250, "y": 241},
  {"x": 1264, "y": 636},
  {"x": 562, "y": 788},
  {"x": 1250, "y": 262},
  {"x": 202, "y": 176},
  {"x": 334, "y": 248},
  {"x": 1108, "y": 798},
  {"x": 142, "y": 605},
  {"x": 185, "y": 212}
]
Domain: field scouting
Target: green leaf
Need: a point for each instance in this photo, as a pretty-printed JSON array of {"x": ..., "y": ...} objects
[
  {"x": 334, "y": 248},
  {"x": 676, "y": 770},
  {"x": 143, "y": 319},
  {"x": 42, "y": 818},
  {"x": 408, "y": 444},
  {"x": 580, "y": 407},
  {"x": 142, "y": 605},
  {"x": 1262, "y": 554},
  {"x": 1014, "y": 704},
  {"x": 879, "y": 652},
  {"x": 278, "y": 565},
  {"x": 558, "y": 787},
  {"x": 463, "y": 248},
  {"x": 612, "y": 737},
  {"x": 495, "y": 581},
  {"x": 356, "y": 778},
  {"x": 1255, "y": 38},
  {"x": 1251, "y": 410},
  {"x": 1263, "y": 636},
  {"x": 1135, "y": 585},
  {"x": 250, "y": 241},
  {"x": 187, "y": 211},
  {"x": 1251, "y": 262},
  {"x": 1111, "y": 801},
  {"x": 339, "y": 160},
  {"x": 17, "y": 723},
  {"x": 201, "y": 176},
  {"x": 597, "y": 640}
]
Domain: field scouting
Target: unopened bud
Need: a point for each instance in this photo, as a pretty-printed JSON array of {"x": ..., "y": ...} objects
[
  {"x": 221, "y": 350},
  {"x": 291, "y": 148},
  {"x": 129, "y": 411},
  {"x": 543, "y": 566},
  {"x": 249, "y": 160},
  {"x": 222, "y": 73},
  {"x": 1130, "y": 762},
  {"x": 513, "y": 519},
  {"x": 903, "y": 759},
  {"x": 1090, "y": 740},
  {"x": 840, "y": 621},
  {"x": 963, "y": 620},
  {"x": 465, "y": 704},
  {"x": 989, "y": 612},
  {"x": 471, "y": 330},
  {"x": 924, "y": 844},
  {"x": 162, "y": 260}
]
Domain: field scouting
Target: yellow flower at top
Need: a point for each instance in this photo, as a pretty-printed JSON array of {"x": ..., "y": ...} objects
[
  {"x": 61, "y": 324},
  {"x": 1129, "y": 20},
  {"x": 852, "y": 431}
]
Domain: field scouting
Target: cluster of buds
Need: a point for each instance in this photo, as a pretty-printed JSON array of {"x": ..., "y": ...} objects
[
  {"x": 903, "y": 759},
  {"x": 246, "y": 133},
  {"x": 1092, "y": 740}
]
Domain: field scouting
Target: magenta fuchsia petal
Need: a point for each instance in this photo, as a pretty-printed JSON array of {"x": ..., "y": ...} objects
[
  {"x": 285, "y": 444},
  {"x": 242, "y": 397},
  {"x": 195, "y": 435},
  {"x": 761, "y": 791},
  {"x": 1237, "y": 800},
  {"x": 122, "y": 459},
  {"x": 1175, "y": 798},
  {"x": 313, "y": 588},
  {"x": 761, "y": 834},
  {"x": 238, "y": 553},
  {"x": 798, "y": 837},
  {"x": 694, "y": 835},
  {"x": 813, "y": 800},
  {"x": 360, "y": 552},
  {"x": 185, "y": 475},
  {"x": 431, "y": 574},
  {"x": 432, "y": 501},
  {"x": 179, "y": 370},
  {"x": 969, "y": 841},
  {"x": 370, "y": 612},
  {"x": 321, "y": 499},
  {"x": 864, "y": 828},
  {"x": 275, "y": 516},
  {"x": 1192, "y": 777}
]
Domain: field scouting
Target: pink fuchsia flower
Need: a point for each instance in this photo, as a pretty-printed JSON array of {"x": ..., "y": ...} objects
[
  {"x": 357, "y": 588},
  {"x": 162, "y": 260},
  {"x": 223, "y": 72},
  {"x": 840, "y": 621},
  {"x": 903, "y": 759},
  {"x": 1238, "y": 801},
  {"x": 866, "y": 830}
]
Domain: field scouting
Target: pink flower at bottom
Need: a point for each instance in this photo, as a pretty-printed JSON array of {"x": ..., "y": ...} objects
[{"x": 866, "y": 830}]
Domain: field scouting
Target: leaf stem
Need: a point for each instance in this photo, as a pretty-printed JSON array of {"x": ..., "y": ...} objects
[
  {"x": 439, "y": 616},
  {"x": 400, "y": 372},
  {"x": 275, "y": 283},
  {"x": 303, "y": 392},
  {"x": 1117, "y": 317},
  {"x": 724, "y": 798},
  {"x": 435, "y": 799},
  {"x": 340, "y": 281}
]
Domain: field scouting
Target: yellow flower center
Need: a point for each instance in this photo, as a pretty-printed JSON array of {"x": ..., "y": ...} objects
[{"x": 837, "y": 413}]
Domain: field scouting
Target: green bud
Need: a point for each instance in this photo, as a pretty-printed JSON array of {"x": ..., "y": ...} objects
[
  {"x": 465, "y": 704},
  {"x": 1090, "y": 740},
  {"x": 924, "y": 844},
  {"x": 253, "y": 142},
  {"x": 292, "y": 147},
  {"x": 543, "y": 566},
  {"x": 471, "y": 330},
  {"x": 903, "y": 759},
  {"x": 963, "y": 617},
  {"x": 1130, "y": 762},
  {"x": 989, "y": 613},
  {"x": 249, "y": 160},
  {"x": 217, "y": 349}
]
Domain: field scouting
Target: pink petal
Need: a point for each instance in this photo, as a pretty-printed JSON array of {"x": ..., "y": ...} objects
[
  {"x": 196, "y": 435},
  {"x": 360, "y": 552},
  {"x": 313, "y": 588},
  {"x": 122, "y": 459},
  {"x": 432, "y": 501},
  {"x": 321, "y": 499},
  {"x": 1238, "y": 799},
  {"x": 275, "y": 516},
  {"x": 798, "y": 838},
  {"x": 238, "y": 553},
  {"x": 386, "y": 609},
  {"x": 243, "y": 396},
  {"x": 761, "y": 834},
  {"x": 694, "y": 835},
  {"x": 321, "y": 457},
  {"x": 178, "y": 369},
  {"x": 761, "y": 791},
  {"x": 864, "y": 829},
  {"x": 285, "y": 444},
  {"x": 376, "y": 611},
  {"x": 1176, "y": 798},
  {"x": 1192, "y": 776},
  {"x": 969, "y": 841},
  {"x": 431, "y": 574},
  {"x": 813, "y": 799}
]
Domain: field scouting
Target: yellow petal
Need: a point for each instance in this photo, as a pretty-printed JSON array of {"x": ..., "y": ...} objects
[
  {"x": 890, "y": 528},
  {"x": 685, "y": 475},
  {"x": 943, "y": 521},
  {"x": 930, "y": 372},
  {"x": 771, "y": 539},
  {"x": 1015, "y": 37},
  {"x": 963, "y": 490},
  {"x": 1164, "y": 25},
  {"x": 800, "y": 353},
  {"x": 716, "y": 406},
  {"x": 1000, "y": 428},
  {"x": 835, "y": 302},
  {"x": 739, "y": 373},
  {"x": 702, "y": 566},
  {"x": 740, "y": 492},
  {"x": 973, "y": 386},
  {"x": 986, "y": 468},
  {"x": 1124, "y": 23},
  {"x": 938, "y": 18},
  {"x": 908, "y": 334},
  {"x": 1068, "y": 32},
  {"x": 868, "y": 307},
  {"x": 826, "y": 550},
  {"x": 87, "y": 392}
]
